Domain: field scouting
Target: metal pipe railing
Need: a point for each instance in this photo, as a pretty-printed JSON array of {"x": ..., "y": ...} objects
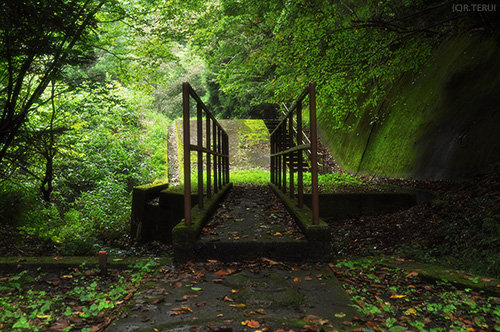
[
  {"x": 216, "y": 149},
  {"x": 287, "y": 147}
]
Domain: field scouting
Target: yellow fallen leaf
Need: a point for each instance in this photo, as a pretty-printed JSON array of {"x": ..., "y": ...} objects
[
  {"x": 220, "y": 315},
  {"x": 296, "y": 279},
  {"x": 43, "y": 316},
  {"x": 234, "y": 291},
  {"x": 397, "y": 296},
  {"x": 186, "y": 309},
  {"x": 411, "y": 311},
  {"x": 241, "y": 305}
]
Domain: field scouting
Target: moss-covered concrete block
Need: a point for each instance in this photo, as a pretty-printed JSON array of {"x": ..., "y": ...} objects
[
  {"x": 143, "y": 217},
  {"x": 304, "y": 219},
  {"x": 184, "y": 236}
]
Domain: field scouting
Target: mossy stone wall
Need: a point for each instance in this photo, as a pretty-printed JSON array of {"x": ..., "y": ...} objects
[{"x": 439, "y": 124}]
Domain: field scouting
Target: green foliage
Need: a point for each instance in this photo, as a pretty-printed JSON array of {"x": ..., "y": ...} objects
[
  {"x": 86, "y": 296},
  {"x": 262, "y": 53},
  {"x": 105, "y": 152}
]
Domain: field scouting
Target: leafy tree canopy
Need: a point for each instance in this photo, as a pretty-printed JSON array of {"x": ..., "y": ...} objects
[{"x": 266, "y": 51}]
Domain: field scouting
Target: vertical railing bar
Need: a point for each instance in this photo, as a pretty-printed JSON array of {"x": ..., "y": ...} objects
[
  {"x": 278, "y": 143},
  {"x": 214, "y": 136},
  {"x": 271, "y": 161},
  {"x": 227, "y": 158},
  {"x": 219, "y": 150},
  {"x": 223, "y": 163},
  {"x": 300, "y": 174},
  {"x": 291, "y": 161},
  {"x": 199, "y": 135},
  {"x": 285, "y": 156},
  {"x": 209, "y": 179},
  {"x": 314, "y": 150},
  {"x": 187, "y": 154}
]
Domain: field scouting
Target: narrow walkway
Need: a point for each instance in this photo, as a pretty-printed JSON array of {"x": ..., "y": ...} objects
[{"x": 250, "y": 223}]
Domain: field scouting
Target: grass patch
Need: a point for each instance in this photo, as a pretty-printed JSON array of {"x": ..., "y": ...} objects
[{"x": 254, "y": 176}]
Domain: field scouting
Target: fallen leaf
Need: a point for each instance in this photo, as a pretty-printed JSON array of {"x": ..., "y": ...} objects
[
  {"x": 258, "y": 311},
  {"x": 397, "y": 296},
  {"x": 411, "y": 311},
  {"x": 155, "y": 301},
  {"x": 252, "y": 324},
  {"x": 43, "y": 316},
  {"x": 241, "y": 305},
  {"x": 188, "y": 296},
  {"x": 218, "y": 281},
  {"x": 308, "y": 278},
  {"x": 340, "y": 315},
  {"x": 310, "y": 328},
  {"x": 220, "y": 315},
  {"x": 486, "y": 279},
  {"x": 227, "y": 299},
  {"x": 412, "y": 274},
  {"x": 270, "y": 261},
  {"x": 221, "y": 273},
  {"x": 319, "y": 276},
  {"x": 196, "y": 289},
  {"x": 176, "y": 285},
  {"x": 310, "y": 318},
  {"x": 234, "y": 291},
  {"x": 201, "y": 304}
]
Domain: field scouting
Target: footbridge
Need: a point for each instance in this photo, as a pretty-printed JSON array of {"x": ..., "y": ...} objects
[{"x": 205, "y": 217}]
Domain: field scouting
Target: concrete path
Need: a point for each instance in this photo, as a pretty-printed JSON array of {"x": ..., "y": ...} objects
[{"x": 278, "y": 297}]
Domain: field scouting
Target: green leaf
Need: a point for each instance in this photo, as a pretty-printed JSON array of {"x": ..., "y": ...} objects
[{"x": 22, "y": 323}]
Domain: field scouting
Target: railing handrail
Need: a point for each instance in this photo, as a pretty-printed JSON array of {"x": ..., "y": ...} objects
[
  {"x": 283, "y": 149},
  {"x": 218, "y": 148}
]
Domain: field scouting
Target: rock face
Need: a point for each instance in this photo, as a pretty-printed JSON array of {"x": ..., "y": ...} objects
[{"x": 441, "y": 123}]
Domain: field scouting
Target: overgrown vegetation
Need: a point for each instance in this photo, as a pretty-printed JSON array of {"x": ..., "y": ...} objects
[
  {"x": 401, "y": 305},
  {"x": 77, "y": 299}
]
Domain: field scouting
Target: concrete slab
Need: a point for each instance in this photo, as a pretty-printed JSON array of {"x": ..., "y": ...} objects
[{"x": 275, "y": 298}]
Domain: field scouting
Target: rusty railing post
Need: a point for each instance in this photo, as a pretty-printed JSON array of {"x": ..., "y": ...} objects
[
  {"x": 300, "y": 171},
  {"x": 219, "y": 151},
  {"x": 187, "y": 155},
  {"x": 214, "y": 138},
  {"x": 314, "y": 151},
  {"x": 209, "y": 179},
  {"x": 291, "y": 159},
  {"x": 199, "y": 129},
  {"x": 289, "y": 147}
]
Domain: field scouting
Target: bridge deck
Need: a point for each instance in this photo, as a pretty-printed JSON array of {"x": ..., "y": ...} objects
[{"x": 250, "y": 223}]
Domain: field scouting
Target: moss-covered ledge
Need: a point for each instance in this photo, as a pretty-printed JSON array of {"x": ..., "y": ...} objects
[
  {"x": 184, "y": 237},
  {"x": 140, "y": 219},
  {"x": 303, "y": 218}
]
